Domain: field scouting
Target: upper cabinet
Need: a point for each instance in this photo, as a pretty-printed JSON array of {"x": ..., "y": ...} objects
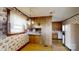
[{"x": 57, "y": 26}]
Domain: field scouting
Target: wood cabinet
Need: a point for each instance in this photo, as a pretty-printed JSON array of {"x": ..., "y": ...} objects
[
  {"x": 57, "y": 26},
  {"x": 54, "y": 36},
  {"x": 36, "y": 39}
]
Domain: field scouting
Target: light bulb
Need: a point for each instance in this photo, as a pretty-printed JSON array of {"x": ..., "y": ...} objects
[
  {"x": 32, "y": 22},
  {"x": 29, "y": 22}
]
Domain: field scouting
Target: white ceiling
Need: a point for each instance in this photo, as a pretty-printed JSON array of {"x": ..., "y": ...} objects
[{"x": 58, "y": 13}]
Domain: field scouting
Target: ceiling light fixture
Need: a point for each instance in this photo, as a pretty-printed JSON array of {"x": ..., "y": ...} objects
[{"x": 52, "y": 12}]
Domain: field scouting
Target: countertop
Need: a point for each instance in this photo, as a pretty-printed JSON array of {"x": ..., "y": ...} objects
[{"x": 33, "y": 33}]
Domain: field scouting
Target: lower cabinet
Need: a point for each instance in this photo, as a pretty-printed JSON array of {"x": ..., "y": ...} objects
[{"x": 36, "y": 39}]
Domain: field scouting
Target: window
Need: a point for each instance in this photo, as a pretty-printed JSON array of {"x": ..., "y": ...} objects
[{"x": 17, "y": 23}]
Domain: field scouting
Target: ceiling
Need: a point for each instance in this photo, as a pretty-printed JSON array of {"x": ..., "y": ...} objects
[{"x": 58, "y": 13}]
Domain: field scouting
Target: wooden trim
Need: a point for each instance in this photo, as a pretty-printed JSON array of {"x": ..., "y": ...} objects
[
  {"x": 8, "y": 24},
  {"x": 21, "y": 12},
  {"x": 57, "y": 22},
  {"x": 22, "y": 47},
  {"x": 41, "y": 17},
  {"x": 56, "y": 39},
  {"x": 8, "y": 18},
  {"x": 9, "y": 34},
  {"x": 12, "y": 8},
  {"x": 70, "y": 17}
]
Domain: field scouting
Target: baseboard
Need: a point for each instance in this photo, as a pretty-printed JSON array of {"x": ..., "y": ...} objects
[
  {"x": 56, "y": 39},
  {"x": 66, "y": 47},
  {"x": 22, "y": 46}
]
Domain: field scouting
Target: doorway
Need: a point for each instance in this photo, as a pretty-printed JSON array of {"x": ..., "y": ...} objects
[
  {"x": 57, "y": 36},
  {"x": 56, "y": 32}
]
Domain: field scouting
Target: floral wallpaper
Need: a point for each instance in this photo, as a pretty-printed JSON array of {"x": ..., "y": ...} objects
[
  {"x": 14, "y": 42},
  {"x": 3, "y": 19},
  {"x": 73, "y": 20}
]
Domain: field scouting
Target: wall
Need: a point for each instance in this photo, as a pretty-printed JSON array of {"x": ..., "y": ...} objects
[
  {"x": 72, "y": 33},
  {"x": 14, "y": 42},
  {"x": 3, "y": 19},
  {"x": 73, "y": 20},
  {"x": 75, "y": 36},
  {"x": 68, "y": 37},
  {"x": 46, "y": 31}
]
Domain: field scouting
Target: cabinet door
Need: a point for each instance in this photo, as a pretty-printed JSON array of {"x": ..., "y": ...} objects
[
  {"x": 37, "y": 39},
  {"x": 31, "y": 39},
  {"x": 34, "y": 39}
]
